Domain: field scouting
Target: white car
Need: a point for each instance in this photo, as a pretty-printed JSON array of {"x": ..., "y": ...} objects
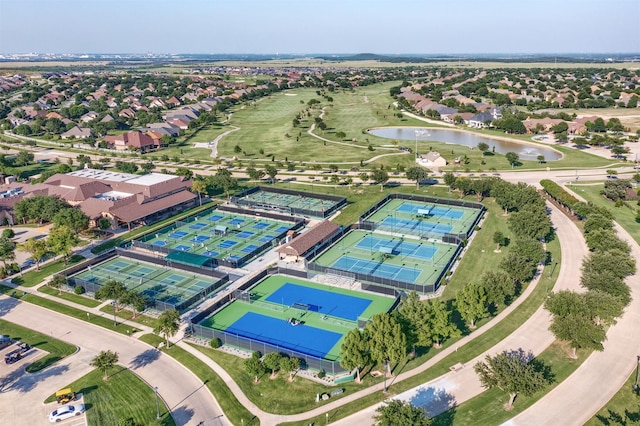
[{"x": 65, "y": 412}]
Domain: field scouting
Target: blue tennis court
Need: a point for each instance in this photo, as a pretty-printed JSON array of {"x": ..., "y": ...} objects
[
  {"x": 248, "y": 249},
  {"x": 210, "y": 253},
  {"x": 377, "y": 269},
  {"x": 234, "y": 257},
  {"x": 260, "y": 225},
  {"x": 182, "y": 248},
  {"x": 244, "y": 234},
  {"x": 326, "y": 302},
  {"x": 265, "y": 239},
  {"x": 444, "y": 212},
  {"x": 411, "y": 225},
  {"x": 227, "y": 244},
  {"x": 236, "y": 221},
  {"x": 199, "y": 238},
  {"x": 282, "y": 229},
  {"x": 198, "y": 226},
  {"x": 302, "y": 338},
  {"x": 402, "y": 248},
  {"x": 160, "y": 243},
  {"x": 215, "y": 218},
  {"x": 178, "y": 234}
]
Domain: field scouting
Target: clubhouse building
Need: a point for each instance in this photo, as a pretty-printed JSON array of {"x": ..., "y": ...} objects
[{"x": 125, "y": 199}]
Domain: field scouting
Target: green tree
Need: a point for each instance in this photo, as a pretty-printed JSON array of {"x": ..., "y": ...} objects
[
  {"x": 580, "y": 331},
  {"x": 499, "y": 287},
  {"x": 513, "y": 373},
  {"x": 37, "y": 247},
  {"x": 341, "y": 135},
  {"x": 400, "y": 413},
  {"x": 7, "y": 251},
  {"x": 380, "y": 177},
  {"x": 61, "y": 240},
  {"x": 114, "y": 290},
  {"x": 254, "y": 174},
  {"x": 387, "y": 339},
  {"x": 413, "y": 320},
  {"x": 105, "y": 361},
  {"x": 137, "y": 302},
  {"x": 73, "y": 218},
  {"x": 126, "y": 167},
  {"x": 483, "y": 148},
  {"x": 23, "y": 158},
  {"x": 272, "y": 362},
  {"x": 530, "y": 221},
  {"x": 471, "y": 302},
  {"x": 147, "y": 167},
  {"x": 184, "y": 172},
  {"x": 440, "y": 325},
  {"x": 271, "y": 171},
  {"x": 199, "y": 186},
  {"x": 417, "y": 174},
  {"x": 290, "y": 366},
  {"x": 168, "y": 324},
  {"x": 450, "y": 180},
  {"x": 57, "y": 281},
  {"x": 224, "y": 180},
  {"x": 354, "y": 351},
  {"x": 512, "y": 158},
  {"x": 499, "y": 239}
]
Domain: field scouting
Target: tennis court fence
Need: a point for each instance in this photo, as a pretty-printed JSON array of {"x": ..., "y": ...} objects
[
  {"x": 332, "y": 367},
  {"x": 338, "y": 202}
]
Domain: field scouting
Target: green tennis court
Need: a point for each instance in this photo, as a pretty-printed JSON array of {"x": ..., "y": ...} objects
[
  {"x": 289, "y": 201},
  {"x": 156, "y": 283},
  {"x": 327, "y": 313},
  {"x": 216, "y": 234},
  {"x": 423, "y": 219},
  {"x": 387, "y": 256}
]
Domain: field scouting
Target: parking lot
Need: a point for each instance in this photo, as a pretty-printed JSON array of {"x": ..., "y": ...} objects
[{"x": 23, "y": 393}]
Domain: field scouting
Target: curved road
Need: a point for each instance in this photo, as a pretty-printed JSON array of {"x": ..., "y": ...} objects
[{"x": 188, "y": 399}]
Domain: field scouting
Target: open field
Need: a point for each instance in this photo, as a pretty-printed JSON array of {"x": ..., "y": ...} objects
[{"x": 123, "y": 396}]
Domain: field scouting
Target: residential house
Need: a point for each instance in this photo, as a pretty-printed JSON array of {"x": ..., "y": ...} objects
[
  {"x": 77, "y": 133},
  {"x": 137, "y": 141},
  {"x": 432, "y": 160}
]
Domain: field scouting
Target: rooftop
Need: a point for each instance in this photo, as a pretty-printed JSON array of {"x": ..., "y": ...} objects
[{"x": 105, "y": 175}]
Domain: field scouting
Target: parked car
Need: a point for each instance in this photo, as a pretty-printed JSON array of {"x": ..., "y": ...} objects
[
  {"x": 66, "y": 412},
  {"x": 5, "y": 341}
]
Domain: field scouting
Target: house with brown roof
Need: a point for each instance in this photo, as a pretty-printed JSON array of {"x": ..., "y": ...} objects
[{"x": 137, "y": 141}]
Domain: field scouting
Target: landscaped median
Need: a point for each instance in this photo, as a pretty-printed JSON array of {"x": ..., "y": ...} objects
[
  {"x": 233, "y": 409},
  {"x": 56, "y": 349},
  {"x": 124, "y": 395},
  {"x": 106, "y": 321}
]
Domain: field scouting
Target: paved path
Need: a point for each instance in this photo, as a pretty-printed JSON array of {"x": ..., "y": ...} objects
[
  {"x": 596, "y": 381},
  {"x": 214, "y": 144},
  {"x": 186, "y": 396},
  {"x": 456, "y": 387}
]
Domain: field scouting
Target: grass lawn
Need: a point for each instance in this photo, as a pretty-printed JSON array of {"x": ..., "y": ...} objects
[
  {"x": 35, "y": 277},
  {"x": 71, "y": 297},
  {"x": 625, "y": 406},
  {"x": 123, "y": 396},
  {"x": 128, "y": 236},
  {"x": 233, "y": 410},
  {"x": 56, "y": 349},
  {"x": 488, "y": 406},
  {"x": 101, "y": 321},
  {"x": 127, "y": 315},
  {"x": 625, "y": 215}
]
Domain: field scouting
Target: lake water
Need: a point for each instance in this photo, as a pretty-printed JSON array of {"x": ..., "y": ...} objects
[{"x": 525, "y": 151}]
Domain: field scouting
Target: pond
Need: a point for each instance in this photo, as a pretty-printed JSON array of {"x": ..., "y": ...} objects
[{"x": 414, "y": 134}]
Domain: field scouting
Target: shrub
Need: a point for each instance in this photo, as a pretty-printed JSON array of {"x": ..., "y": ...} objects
[
  {"x": 78, "y": 289},
  {"x": 215, "y": 343},
  {"x": 8, "y": 233},
  {"x": 321, "y": 374}
]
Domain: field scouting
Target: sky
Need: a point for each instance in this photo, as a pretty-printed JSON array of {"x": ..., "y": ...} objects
[{"x": 320, "y": 26}]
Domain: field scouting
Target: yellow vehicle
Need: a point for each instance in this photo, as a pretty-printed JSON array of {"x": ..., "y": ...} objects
[{"x": 65, "y": 395}]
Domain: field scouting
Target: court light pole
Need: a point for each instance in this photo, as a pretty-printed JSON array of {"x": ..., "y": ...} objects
[
  {"x": 157, "y": 403},
  {"x": 635, "y": 385}
]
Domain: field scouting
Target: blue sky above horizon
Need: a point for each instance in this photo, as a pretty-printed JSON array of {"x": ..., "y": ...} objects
[{"x": 321, "y": 26}]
